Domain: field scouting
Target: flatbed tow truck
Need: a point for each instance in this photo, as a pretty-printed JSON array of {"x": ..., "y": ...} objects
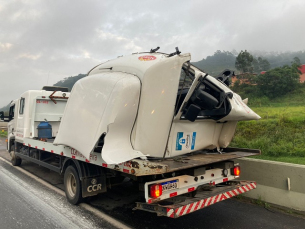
[{"x": 152, "y": 117}]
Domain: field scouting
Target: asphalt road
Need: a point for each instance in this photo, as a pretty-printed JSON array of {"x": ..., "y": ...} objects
[
  {"x": 27, "y": 205},
  {"x": 23, "y": 202}
]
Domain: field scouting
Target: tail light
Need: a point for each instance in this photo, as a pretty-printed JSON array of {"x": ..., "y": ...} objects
[
  {"x": 155, "y": 190},
  {"x": 236, "y": 171}
]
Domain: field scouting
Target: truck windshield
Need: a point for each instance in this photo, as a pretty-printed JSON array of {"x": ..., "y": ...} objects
[{"x": 187, "y": 77}]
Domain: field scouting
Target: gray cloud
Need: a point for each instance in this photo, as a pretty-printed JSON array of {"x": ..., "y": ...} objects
[{"x": 44, "y": 41}]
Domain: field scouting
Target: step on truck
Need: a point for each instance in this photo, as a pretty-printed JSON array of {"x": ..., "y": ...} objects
[{"x": 151, "y": 117}]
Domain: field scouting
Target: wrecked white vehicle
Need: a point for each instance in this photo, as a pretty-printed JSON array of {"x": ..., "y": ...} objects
[{"x": 152, "y": 117}]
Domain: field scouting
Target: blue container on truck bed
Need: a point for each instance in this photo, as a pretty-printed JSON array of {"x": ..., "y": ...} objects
[{"x": 44, "y": 130}]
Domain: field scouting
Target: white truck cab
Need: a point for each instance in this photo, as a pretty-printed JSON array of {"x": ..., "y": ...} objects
[{"x": 30, "y": 109}]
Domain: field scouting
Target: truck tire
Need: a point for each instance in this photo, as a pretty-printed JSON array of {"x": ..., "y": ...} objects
[
  {"x": 16, "y": 161},
  {"x": 72, "y": 184}
]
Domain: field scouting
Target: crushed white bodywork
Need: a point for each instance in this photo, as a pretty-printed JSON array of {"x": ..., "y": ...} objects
[
  {"x": 132, "y": 101},
  {"x": 103, "y": 103},
  {"x": 129, "y": 108}
]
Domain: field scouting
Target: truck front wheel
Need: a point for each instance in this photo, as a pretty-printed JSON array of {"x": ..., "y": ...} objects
[{"x": 72, "y": 184}]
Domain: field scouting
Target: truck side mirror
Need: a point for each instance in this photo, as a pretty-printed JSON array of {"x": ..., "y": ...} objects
[{"x": 192, "y": 112}]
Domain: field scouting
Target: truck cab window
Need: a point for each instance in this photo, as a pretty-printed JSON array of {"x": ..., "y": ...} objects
[
  {"x": 21, "y": 109},
  {"x": 187, "y": 77}
]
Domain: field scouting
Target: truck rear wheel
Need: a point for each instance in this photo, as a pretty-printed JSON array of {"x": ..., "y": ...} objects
[
  {"x": 72, "y": 184},
  {"x": 16, "y": 161}
]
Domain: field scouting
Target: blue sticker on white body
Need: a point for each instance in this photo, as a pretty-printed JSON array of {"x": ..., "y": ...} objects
[
  {"x": 193, "y": 140},
  {"x": 179, "y": 141},
  {"x": 185, "y": 141}
]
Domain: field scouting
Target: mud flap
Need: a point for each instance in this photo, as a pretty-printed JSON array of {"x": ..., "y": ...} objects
[{"x": 92, "y": 186}]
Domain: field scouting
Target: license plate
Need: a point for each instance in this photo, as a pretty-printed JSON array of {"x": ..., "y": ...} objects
[{"x": 169, "y": 185}]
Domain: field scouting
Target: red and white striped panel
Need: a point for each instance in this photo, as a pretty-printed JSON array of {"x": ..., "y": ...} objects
[{"x": 175, "y": 213}]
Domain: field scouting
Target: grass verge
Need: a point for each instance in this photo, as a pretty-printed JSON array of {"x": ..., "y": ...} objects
[
  {"x": 279, "y": 134},
  {"x": 3, "y": 133}
]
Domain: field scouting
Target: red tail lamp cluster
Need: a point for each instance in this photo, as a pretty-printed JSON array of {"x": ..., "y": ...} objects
[
  {"x": 155, "y": 190},
  {"x": 236, "y": 170}
]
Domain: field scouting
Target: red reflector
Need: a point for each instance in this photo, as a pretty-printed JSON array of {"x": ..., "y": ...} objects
[
  {"x": 236, "y": 171},
  {"x": 191, "y": 189},
  {"x": 225, "y": 180},
  {"x": 155, "y": 190},
  {"x": 125, "y": 170},
  {"x": 173, "y": 194}
]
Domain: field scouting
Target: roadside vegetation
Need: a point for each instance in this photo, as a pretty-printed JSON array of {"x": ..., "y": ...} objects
[
  {"x": 3, "y": 133},
  {"x": 278, "y": 97},
  {"x": 280, "y": 133}
]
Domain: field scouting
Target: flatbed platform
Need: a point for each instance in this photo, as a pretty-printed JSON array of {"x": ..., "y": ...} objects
[
  {"x": 200, "y": 158},
  {"x": 142, "y": 167}
]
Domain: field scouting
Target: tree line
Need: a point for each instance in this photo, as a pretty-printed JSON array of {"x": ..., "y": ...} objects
[
  {"x": 272, "y": 82},
  {"x": 220, "y": 60}
]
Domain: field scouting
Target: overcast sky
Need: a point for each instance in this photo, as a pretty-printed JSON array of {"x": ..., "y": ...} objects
[{"x": 42, "y": 42}]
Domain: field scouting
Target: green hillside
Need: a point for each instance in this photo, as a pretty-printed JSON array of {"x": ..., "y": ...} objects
[
  {"x": 294, "y": 98},
  {"x": 215, "y": 64},
  {"x": 5, "y": 108},
  {"x": 280, "y": 133},
  {"x": 220, "y": 60},
  {"x": 69, "y": 81}
]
